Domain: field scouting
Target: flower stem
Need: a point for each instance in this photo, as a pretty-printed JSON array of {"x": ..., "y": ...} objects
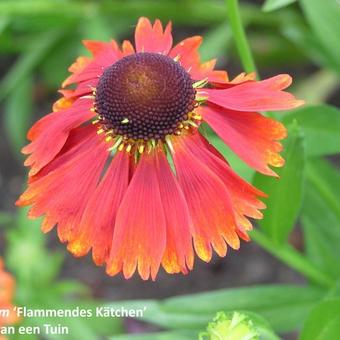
[
  {"x": 293, "y": 258},
  {"x": 240, "y": 36}
]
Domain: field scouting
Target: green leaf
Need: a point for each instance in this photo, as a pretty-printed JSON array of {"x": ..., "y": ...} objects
[
  {"x": 272, "y": 5},
  {"x": 28, "y": 61},
  {"x": 4, "y": 21},
  {"x": 323, "y": 322},
  {"x": 323, "y": 16},
  {"x": 326, "y": 179},
  {"x": 321, "y": 215},
  {"x": 201, "y": 11},
  {"x": 283, "y": 306},
  {"x": 285, "y": 194},
  {"x": 322, "y": 244},
  {"x": 321, "y": 127},
  {"x": 42, "y": 7},
  {"x": 184, "y": 335},
  {"x": 18, "y": 112}
]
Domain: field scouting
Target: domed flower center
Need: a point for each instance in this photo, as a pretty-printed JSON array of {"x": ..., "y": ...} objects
[{"x": 144, "y": 96}]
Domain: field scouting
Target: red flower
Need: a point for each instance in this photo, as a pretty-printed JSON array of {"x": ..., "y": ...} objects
[
  {"x": 7, "y": 286},
  {"x": 129, "y": 205}
]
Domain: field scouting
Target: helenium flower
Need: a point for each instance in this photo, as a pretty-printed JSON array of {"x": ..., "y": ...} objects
[{"x": 100, "y": 162}]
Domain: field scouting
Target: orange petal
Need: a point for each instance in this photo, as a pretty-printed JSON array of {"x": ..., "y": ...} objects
[
  {"x": 178, "y": 255},
  {"x": 140, "y": 229},
  {"x": 250, "y": 135},
  {"x": 243, "y": 195},
  {"x": 208, "y": 200},
  {"x": 96, "y": 227},
  {"x": 61, "y": 104}
]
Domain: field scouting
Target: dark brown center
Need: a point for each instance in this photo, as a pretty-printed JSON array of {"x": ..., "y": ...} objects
[{"x": 144, "y": 96}]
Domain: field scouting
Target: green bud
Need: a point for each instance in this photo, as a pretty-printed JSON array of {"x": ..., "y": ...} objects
[{"x": 235, "y": 326}]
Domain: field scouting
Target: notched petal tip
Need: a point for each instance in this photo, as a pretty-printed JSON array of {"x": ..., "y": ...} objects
[
  {"x": 152, "y": 38},
  {"x": 127, "y": 48},
  {"x": 77, "y": 249},
  {"x": 139, "y": 244}
]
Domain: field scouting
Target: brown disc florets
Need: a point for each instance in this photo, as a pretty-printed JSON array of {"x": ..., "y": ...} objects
[{"x": 144, "y": 96}]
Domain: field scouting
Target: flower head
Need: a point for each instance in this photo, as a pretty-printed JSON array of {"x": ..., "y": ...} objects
[
  {"x": 7, "y": 286},
  {"x": 121, "y": 167}
]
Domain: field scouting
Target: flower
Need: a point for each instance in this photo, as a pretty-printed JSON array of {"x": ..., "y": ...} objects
[
  {"x": 7, "y": 285},
  {"x": 229, "y": 327},
  {"x": 141, "y": 186}
]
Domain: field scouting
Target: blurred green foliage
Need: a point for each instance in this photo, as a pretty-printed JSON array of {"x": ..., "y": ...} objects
[
  {"x": 39, "y": 39},
  {"x": 36, "y": 271},
  {"x": 280, "y": 216}
]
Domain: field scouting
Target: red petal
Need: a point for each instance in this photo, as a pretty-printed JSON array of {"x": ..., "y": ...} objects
[
  {"x": 77, "y": 67},
  {"x": 105, "y": 55},
  {"x": 150, "y": 38},
  {"x": 186, "y": 52},
  {"x": 243, "y": 195},
  {"x": 79, "y": 139},
  {"x": 178, "y": 252},
  {"x": 206, "y": 71},
  {"x": 208, "y": 200},
  {"x": 140, "y": 229},
  {"x": 82, "y": 89},
  {"x": 51, "y": 133},
  {"x": 250, "y": 135},
  {"x": 97, "y": 224},
  {"x": 97, "y": 47},
  {"x": 79, "y": 175},
  {"x": 218, "y": 76},
  {"x": 264, "y": 95}
]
